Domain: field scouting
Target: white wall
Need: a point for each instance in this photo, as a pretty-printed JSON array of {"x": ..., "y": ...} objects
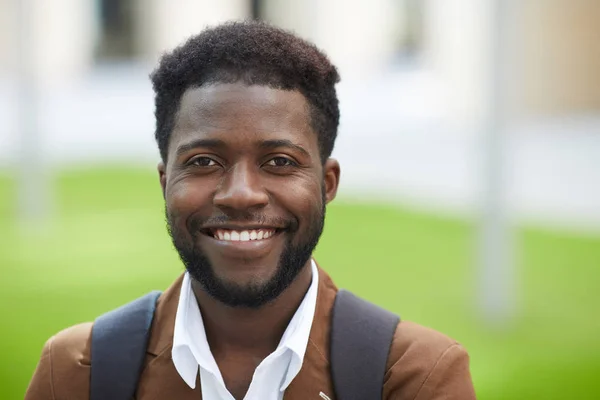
[
  {"x": 357, "y": 35},
  {"x": 165, "y": 24},
  {"x": 456, "y": 51},
  {"x": 62, "y": 35}
]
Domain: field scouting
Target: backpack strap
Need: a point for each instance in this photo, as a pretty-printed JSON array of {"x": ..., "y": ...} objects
[
  {"x": 119, "y": 340},
  {"x": 361, "y": 337}
]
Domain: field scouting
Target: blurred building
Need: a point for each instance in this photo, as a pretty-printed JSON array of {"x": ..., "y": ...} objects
[
  {"x": 557, "y": 65},
  {"x": 415, "y": 76}
]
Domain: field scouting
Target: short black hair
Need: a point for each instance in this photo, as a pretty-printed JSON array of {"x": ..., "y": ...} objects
[{"x": 255, "y": 53}]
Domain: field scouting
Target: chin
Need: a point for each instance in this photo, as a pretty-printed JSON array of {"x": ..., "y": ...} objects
[{"x": 245, "y": 273}]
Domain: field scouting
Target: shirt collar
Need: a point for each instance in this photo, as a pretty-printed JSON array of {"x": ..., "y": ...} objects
[
  {"x": 297, "y": 332},
  {"x": 189, "y": 354}
]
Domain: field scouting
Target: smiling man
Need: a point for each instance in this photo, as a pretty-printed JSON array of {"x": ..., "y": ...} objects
[{"x": 246, "y": 120}]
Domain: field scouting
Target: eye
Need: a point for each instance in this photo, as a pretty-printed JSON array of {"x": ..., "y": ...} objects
[
  {"x": 203, "y": 162},
  {"x": 280, "y": 162}
]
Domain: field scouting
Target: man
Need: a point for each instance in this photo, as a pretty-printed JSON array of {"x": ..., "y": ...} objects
[{"x": 246, "y": 120}]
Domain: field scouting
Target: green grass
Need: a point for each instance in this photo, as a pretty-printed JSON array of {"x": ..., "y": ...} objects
[{"x": 107, "y": 244}]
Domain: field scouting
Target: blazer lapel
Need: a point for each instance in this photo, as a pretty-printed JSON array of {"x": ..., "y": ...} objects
[
  {"x": 160, "y": 379},
  {"x": 314, "y": 376}
]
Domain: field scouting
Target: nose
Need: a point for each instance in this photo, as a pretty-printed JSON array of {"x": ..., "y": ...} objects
[{"x": 241, "y": 190}]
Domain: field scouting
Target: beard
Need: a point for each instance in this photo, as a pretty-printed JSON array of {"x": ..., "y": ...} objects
[{"x": 251, "y": 295}]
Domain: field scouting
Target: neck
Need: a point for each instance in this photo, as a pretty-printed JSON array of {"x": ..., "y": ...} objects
[{"x": 258, "y": 331}]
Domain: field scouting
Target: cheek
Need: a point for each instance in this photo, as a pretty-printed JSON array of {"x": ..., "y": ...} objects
[
  {"x": 184, "y": 198},
  {"x": 304, "y": 201}
]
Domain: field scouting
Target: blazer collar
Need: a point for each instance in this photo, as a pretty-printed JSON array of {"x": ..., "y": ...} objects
[
  {"x": 163, "y": 324},
  {"x": 315, "y": 377}
]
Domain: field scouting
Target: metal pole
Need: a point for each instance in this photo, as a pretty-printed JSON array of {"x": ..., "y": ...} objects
[
  {"x": 32, "y": 186},
  {"x": 497, "y": 274}
]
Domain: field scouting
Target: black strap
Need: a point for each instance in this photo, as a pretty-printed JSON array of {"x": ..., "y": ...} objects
[
  {"x": 119, "y": 340},
  {"x": 361, "y": 336}
]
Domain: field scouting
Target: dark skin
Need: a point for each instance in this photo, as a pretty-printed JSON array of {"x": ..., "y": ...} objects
[{"x": 239, "y": 150}]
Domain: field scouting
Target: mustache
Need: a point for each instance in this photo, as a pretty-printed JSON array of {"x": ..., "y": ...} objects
[{"x": 197, "y": 223}]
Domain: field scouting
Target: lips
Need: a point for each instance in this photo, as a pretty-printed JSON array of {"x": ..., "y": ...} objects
[
  {"x": 239, "y": 235},
  {"x": 244, "y": 243}
]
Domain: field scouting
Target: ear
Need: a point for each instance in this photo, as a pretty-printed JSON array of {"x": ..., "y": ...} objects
[
  {"x": 162, "y": 176},
  {"x": 331, "y": 177}
]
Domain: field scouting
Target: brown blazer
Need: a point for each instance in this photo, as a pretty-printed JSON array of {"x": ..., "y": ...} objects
[{"x": 423, "y": 364}]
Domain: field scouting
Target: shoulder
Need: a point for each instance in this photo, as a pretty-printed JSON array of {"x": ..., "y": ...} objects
[
  {"x": 414, "y": 343},
  {"x": 424, "y": 364},
  {"x": 64, "y": 367},
  {"x": 73, "y": 344}
]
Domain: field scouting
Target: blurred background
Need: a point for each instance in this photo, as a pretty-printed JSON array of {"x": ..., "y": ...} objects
[{"x": 470, "y": 153}]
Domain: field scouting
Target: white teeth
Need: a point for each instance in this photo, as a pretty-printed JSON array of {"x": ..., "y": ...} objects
[{"x": 243, "y": 236}]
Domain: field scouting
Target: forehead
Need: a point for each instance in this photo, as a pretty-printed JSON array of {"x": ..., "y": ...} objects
[{"x": 238, "y": 111}]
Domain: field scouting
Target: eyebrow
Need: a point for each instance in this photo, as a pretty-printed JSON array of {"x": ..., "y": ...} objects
[
  {"x": 206, "y": 143},
  {"x": 219, "y": 144},
  {"x": 276, "y": 143}
]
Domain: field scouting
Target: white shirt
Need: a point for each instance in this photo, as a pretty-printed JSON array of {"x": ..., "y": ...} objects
[{"x": 191, "y": 351}]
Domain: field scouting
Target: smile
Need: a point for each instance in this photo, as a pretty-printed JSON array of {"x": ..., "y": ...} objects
[
  {"x": 245, "y": 242},
  {"x": 233, "y": 235}
]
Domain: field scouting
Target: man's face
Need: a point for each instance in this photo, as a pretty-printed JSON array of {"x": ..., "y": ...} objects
[{"x": 245, "y": 189}]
